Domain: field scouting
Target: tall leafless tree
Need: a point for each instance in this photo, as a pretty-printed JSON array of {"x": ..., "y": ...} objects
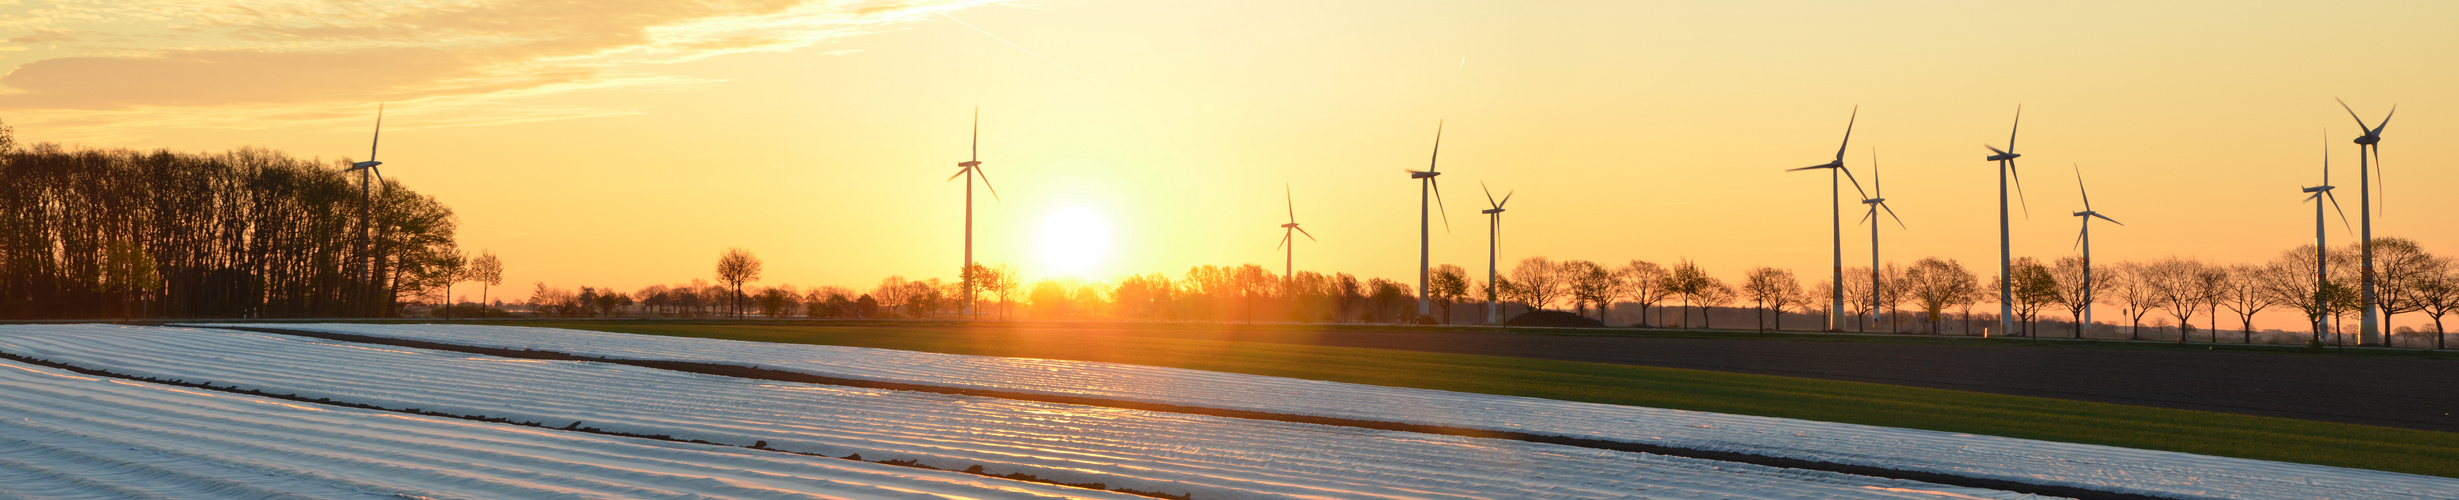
[
  {"x": 1540, "y": 281},
  {"x": 1937, "y": 284},
  {"x": 2077, "y": 290},
  {"x": 1591, "y": 284},
  {"x": 1769, "y": 287},
  {"x": 2245, "y": 294},
  {"x": 1644, "y": 283},
  {"x": 737, "y": 266}
]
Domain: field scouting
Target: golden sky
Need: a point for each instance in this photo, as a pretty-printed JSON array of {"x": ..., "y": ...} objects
[{"x": 624, "y": 143}]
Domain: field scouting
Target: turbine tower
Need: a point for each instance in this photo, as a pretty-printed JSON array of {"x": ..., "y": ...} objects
[
  {"x": 1877, "y": 201},
  {"x": 2085, "y": 241},
  {"x": 1835, "y": 191},
  {"x": 367, "y": 212},
  {"x": 1423, "y": 234},
  {"x": 2322, "y": 254},
  {"x": 1494, "y": 237},
  {"x": 2006, "y": 253},
  {"x": 1289, "y": 261},
  {"x": 2368, "y": 328},
  {"x": 968, "y": 169}
]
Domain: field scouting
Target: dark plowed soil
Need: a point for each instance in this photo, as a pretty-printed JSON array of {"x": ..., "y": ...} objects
[{"x": 2395, "y": 392}]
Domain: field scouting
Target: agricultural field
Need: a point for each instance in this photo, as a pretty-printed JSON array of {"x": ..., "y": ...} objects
[{"x": 202, "y": 411}]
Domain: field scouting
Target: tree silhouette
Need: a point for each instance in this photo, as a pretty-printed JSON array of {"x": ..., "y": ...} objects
[
  {"x": 2245, "y": 295},
  {"x": 2438, "y": 293},
  {"x": 1770, "y": 287},
  {"x": 2073, "y": 291},
  {"x": 1591, "y": 284},
  {"x": 488, "y": 271},
  {"x": 735, "y": 267},
  {"x": 2178, "y": 287},
  {"x": 2399, "y": 266},
  {"x": 1540, "y": 281},
  {"x": 1644, "y": 283},
  {"x": 1447, "y": 285},
  {"x": 1937, "y": 284}
]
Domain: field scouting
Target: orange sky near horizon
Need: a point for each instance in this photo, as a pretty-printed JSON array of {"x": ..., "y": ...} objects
[{"x": 627, "y": 143}]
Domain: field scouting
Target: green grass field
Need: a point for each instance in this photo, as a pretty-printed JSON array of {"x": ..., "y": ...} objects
[{"x": 2222, "y": 434}]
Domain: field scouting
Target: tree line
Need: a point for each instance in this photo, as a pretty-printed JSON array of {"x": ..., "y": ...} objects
[{"x": 114, "y": 233}]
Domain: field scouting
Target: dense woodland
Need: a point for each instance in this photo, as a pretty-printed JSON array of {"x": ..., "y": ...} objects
[{"x": 111, "y": 233}]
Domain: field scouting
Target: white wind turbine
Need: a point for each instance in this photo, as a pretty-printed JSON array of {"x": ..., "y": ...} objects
[
  {"x": 2369, "y": 326},
  {"x": 1494, "y": 237},
  {"x": 1288, "y": 234},
  {"x": 367, "y": 206},
  {"x": 2085, "y": 241},
  {"x": 2322, "y": 253},
  {"x": 1877, "y": 201},
  {"x": 1835, "y": 191},
  {"x": 2006, "y": 252},
  {"x": 968, "y": 169},
  {"x": 1424, "y": 236}
]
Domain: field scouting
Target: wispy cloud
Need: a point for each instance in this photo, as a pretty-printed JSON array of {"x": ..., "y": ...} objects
[{"x": 271, "y": 62}]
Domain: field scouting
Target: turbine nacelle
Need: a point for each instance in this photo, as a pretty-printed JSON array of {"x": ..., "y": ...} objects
[
  {"x": 363, "y": 165},
  {"x": 1491, "y": 211},
  {"x": 969, "y": 164},
  {"x": 1420, "y": 174},
  {"x": 1873, "y": 201},
  {"x": 2002, "y": 155},
  {"x": 1292, "y": 225},
  {"x": 2317, "y": 189}
]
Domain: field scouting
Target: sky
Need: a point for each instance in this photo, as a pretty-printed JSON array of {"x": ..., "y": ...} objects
[{"x": 626, "y": 143}]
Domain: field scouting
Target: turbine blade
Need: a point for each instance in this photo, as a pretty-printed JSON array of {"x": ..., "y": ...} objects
[
  {"x": 1284, "y": 240},
  {"x": 2352, "y": 114},
  {"x": 1481, "y": 186},
  {"x": 1293, "y": 202},
  {"x": 1875, "y": 189},
  {"x": 1848, "y": 132},
  {"x": 1899, "y": 221},
  {"x": 2382, "y": 184},
  {"x": 1438, "y": 203},
  {"x": 994, "y": 190},
  {"x": 1848, "y": 175},
  {"x": 1812, "y": 167},
  {"x": 2010, "y": 131},
  {"x": 1866, "y": 215},
  {"x": 379, "y": 138},
  {"x": 960, "y": 172},
  {"x": 2386, "y": 121},
  {"x": 2019, "y": 188},
  {"x": 1309, "y": 236},
  {"x": 2087, "y": 193},
  {"x": 2343, "y": 213},
  {"x": 2079, "y": 236},
  {"x": 1438, "y": 146},
  {"x": 977, "y": 134},
  {"x": 1506, "y": 199},
  {"x": 2106, "y": 218},
  {"x": 1993, "y": 149}
]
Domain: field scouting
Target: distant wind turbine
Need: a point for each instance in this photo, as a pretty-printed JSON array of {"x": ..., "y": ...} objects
[
  {"x": 1289, "y": 261},
  {"x": 1423, "y": 234},
  {"x": 968, "y": 169},
  {"x": 367, "y": 204},
  {"x": 2369, "y": 328},
  {"x": 2085, "y": 241},
  {"x": 1877, "y": 201},
  {"x": 2322, "y": 256},
  {"x": 2006, "y": 252},
  {"x": 1835, "y": 191},
  {"x": 1494, "y": 237}
]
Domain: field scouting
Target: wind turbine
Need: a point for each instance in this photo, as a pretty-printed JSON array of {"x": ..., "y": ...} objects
[
  {"x": 367, "y": 206},
  {"x": 2006, "y": 253},
  {"x": 1423, "y": 235},
  {"x": 1288, "y": 262},
  {"x": 1835, "y": 191},
  {"x": 2322, "y": 260},
  {"x": 2085, "y": 241},
  {"x": 1494, "y": 235},
  {"x": 2369, "y": 330},
  {"x": 1877, "y": 201},
  {"x": 968, "y": 169}
]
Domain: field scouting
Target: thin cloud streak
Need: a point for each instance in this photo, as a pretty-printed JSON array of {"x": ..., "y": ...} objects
[{"x": 1018, "y": 47}]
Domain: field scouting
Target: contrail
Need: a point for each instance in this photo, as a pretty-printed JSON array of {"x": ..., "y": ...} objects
[{"x": 1018, "y": 47}]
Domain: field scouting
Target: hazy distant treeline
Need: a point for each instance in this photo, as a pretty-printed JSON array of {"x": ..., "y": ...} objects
[{"x": 102, "y": 233}]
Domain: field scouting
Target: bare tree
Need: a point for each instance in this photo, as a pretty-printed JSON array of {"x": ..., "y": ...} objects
[
  {"x": 1591, "y": 284},
  {"x": 2400, "y": 265},
  {"x": 2078, "y": 288},
  {"x": 1540, "y": 281},
  {"x": 892, "y": 293},
  {"x": 1644, "y": 283},
  {"x": 1448, "y": 285},
  {"x": 2133, "y": 292},
  {"x": 734, "y": 267},
  {"x": 1891, "y": 293},
  {"x": 1857, "y": 288},
  {"x": 2290, "y": 280},
  {"x": 1715, "y": 294},
  {"x": 2176, "y": 284},
  {"x": 2244, "y": 294},
  {"x": 1938, "y": 284},
  {"x": 1770, "y": 287},
  {"x": 1693, "y": 284},
  {"x": 488, "y": 271},
  {"x": 453, "y": 268},
  {"x": 2438, "y": 293},
  {"x": 2034, "y": 288}
]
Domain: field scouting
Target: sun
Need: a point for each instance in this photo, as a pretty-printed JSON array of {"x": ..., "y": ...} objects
[{"x": 1074, "y": 240}]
